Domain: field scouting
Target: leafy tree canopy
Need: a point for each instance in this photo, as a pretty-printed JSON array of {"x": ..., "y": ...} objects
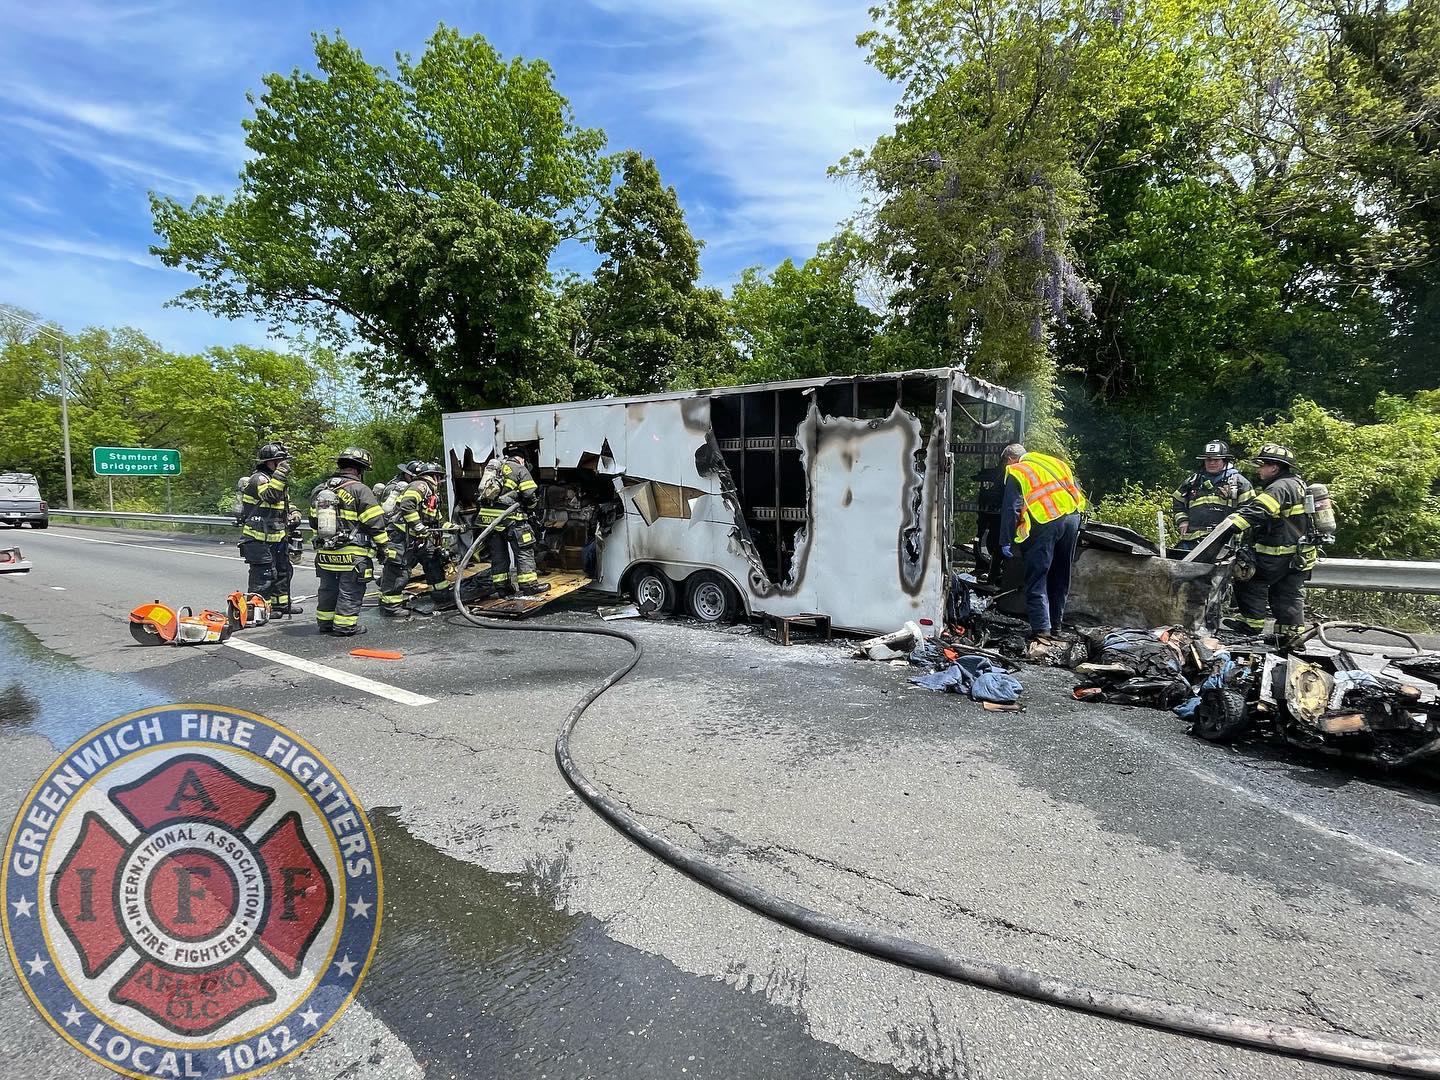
[{"x": 410, "y": 215}]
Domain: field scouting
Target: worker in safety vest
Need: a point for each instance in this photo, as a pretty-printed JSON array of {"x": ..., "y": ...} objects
[{"x": 1041, "y": 513}]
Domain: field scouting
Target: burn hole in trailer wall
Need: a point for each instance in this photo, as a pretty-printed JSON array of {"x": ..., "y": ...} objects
[{"x": 756, "y": 432}]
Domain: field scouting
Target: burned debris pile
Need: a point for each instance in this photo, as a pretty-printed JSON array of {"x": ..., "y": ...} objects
[{"x": 1377, "y": 703}]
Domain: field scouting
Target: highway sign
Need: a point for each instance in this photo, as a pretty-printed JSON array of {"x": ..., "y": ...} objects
[{"x": 135, "y": 461}]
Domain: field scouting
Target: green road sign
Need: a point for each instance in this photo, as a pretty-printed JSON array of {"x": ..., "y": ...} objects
[{"x": 135, "y": 461}]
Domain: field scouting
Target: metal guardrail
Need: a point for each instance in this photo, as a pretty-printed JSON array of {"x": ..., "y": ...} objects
[
  {"x": 1377, "y": 575},
  {"x": 134, "y": 515},
  {"x": 1369, "y": 575}
]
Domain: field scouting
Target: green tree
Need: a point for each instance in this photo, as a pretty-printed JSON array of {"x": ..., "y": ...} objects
[
  {"x": 802, "y": 322},
  {"x": 1384, "y": 476},
  {"x": 642, "y": 319},
  {"x": 412, "y": 216}
]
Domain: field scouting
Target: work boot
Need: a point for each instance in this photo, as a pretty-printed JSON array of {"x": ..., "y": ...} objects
[
  {"x": 533, "y": 588},
  {"x": 325, "y": 628},
  {"x": 1285, "y": 634},
  {"x": 395, "y": 611},
  {"x": 1241, "y": 626},
  {"x": 286, "y": 609},
  {"x": 355, "y": 631}
]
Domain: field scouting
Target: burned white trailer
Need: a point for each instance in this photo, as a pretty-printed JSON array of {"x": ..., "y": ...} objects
[{"x": 835, "y": 496}]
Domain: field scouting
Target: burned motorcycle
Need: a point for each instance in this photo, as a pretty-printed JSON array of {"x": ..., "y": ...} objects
[{"x": 1376, "y": 703}]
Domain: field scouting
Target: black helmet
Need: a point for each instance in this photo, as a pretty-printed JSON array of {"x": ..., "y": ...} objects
[
  {"x": 1275, "y": 454},
  {"x": 428, "y": 468},
  {"x": 357, "y": 456},
  {"x": 1216, "y": 448},
  {"x": 407, "y": 469},
  {"x": 514, "y": 449},
  {"x": 271, "y": 451}
]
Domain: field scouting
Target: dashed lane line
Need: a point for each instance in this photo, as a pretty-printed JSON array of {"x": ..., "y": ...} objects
[
  {"x": 145, "y": 547},
  {"x": 324, "y": 671}
]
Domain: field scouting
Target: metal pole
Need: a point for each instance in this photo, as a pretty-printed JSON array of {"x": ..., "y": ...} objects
[
  {"x": 169, "y": 506},
  {"x": 110, "y": 486},
  {"x": 65, "y": 430},
  {"x": 1160, "y": 531}
]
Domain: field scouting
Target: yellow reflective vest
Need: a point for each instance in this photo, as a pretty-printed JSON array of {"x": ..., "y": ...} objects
[{"x": 1047, "y": 491}]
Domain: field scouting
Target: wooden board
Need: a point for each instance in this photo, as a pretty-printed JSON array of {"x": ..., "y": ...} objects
[{"x": 562, "y": 583}]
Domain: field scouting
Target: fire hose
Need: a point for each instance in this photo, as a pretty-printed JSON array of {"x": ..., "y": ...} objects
[{"x": 1285, "y": 1039}]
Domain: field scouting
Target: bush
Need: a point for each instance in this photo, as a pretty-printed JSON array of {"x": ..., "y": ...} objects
[
  {"x": 1135, "y": 507},
  {"x": 1384, "y": 477}
]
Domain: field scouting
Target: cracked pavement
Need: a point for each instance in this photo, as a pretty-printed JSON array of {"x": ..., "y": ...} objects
[{"x": 1089, "y": 842}]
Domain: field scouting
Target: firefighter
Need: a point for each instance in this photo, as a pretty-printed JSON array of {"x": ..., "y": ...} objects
[
  {"x": 1209, "y": 496},
  {"x": 1276, "y": 555},
  {"x": 1041, "y": 511},
  {"x": 265, "y": 528},
  {"x": 416, "y": 526},
  {"x": 388, "y": 493},
  {"x": 349, "y": 525},
  {"x": 507, "y": 483}
]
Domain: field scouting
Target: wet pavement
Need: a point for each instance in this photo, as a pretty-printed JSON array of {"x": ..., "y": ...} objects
[{"x": 525, "y": 937}]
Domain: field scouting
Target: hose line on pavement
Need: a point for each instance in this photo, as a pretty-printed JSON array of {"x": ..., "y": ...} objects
[{"x": 1287, "y": 1039}]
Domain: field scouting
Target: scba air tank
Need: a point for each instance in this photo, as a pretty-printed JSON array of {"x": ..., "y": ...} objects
[{"x": 1321, "y": 509}]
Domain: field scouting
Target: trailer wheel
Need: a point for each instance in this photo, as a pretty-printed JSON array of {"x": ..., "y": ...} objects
[
  {"x": 1220, "y": 716},
  {"x": 651, "y": 589},
  {"x": 711, "y": 598}
]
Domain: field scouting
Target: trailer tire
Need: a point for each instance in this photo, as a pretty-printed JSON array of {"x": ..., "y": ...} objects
[
  {"x": 651, "y": 588},
  {"x": 1221, "y": 716},
  {"x": 712, "y": 599}
]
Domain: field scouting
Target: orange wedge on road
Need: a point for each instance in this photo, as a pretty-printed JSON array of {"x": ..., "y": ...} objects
[{"x": 378, "y": 654}]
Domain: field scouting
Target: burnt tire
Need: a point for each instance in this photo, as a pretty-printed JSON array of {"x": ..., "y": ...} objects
[
  {"x": 712, "y": 599},
  {"x": 651, "y": 589},
  {"x": 1221, "y": 716}
]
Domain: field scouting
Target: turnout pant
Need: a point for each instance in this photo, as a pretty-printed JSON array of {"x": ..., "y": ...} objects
[
  {"x": 1049, "y": 554},
  {"x": 341, "y": 592},
  {"x": 270, "y": 569},
  {"x": 522, "y": 537},
  {"x": 1276, "y": 584},
  {"x": 395, "y": 575}
]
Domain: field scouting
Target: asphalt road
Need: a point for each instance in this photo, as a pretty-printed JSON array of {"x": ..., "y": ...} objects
[{"x": 524, "y": 937}]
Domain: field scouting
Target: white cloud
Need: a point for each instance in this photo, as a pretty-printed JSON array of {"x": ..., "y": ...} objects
[
  {"x": 116, "y": 120},
  {"x": 770, "y": 95},
  {"x": 86, "y": 288},
  {"x": 62, "y": 245}
]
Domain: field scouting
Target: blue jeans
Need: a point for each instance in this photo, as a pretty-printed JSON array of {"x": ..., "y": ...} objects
[{"x": 1049, "y": 554}]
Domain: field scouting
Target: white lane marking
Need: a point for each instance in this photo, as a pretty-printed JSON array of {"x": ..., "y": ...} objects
[
  {"x": 1134, "y": 734},
  {"x": 355, "y": 682},
  {"x": 145, "y": 547},
  {"x": 58, "y": 588}
]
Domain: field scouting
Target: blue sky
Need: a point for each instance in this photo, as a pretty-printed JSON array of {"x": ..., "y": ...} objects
[{"x": 743, "y": 104}]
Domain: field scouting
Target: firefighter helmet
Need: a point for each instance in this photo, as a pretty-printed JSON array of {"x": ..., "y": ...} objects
[
  {"x": 356, "y": 456},
  {"x": 408, "y": 469},
  {"x": 428, "y": 468},
  {"x": 271, "y": 451},
  {"x": 1216, "y": 448},
  {"x": 1275, "y": 454}
]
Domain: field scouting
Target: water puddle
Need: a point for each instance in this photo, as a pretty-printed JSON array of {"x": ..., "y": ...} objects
[
  {"x": 481, "y": 976},
  {"x": 51, "y": 694}
]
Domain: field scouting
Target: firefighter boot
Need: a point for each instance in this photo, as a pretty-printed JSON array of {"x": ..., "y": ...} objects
[{"x": 533, "y": 588}]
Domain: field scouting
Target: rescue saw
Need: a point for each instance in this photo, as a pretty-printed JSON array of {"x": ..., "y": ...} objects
[{"x": 158, "y": 624}]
